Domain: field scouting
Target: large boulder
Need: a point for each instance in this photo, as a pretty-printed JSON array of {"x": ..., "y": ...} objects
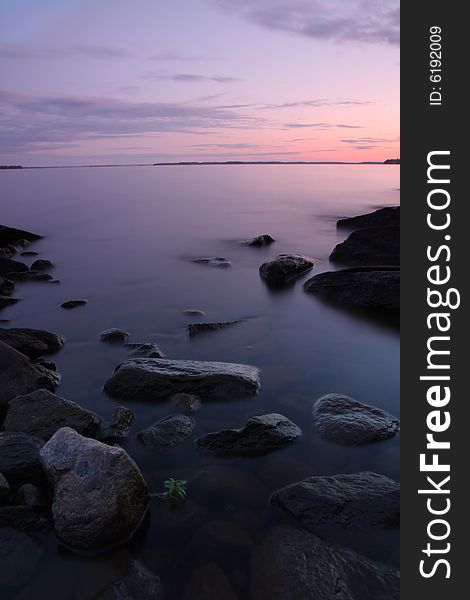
[
  {"x": 369, "y": 246},
  {"x": 157, "y": 378},
  {"x": 18, "y": 375},
  {"x": 383, "y": 217},
  {"x": 285, "y": 268},
  {"x": 292, "y": 564},
  {"x": 19, "y": 458},
  {"x": 341, "y": 419},
  {"x": 32, "y": 342},
  {"x": 19, "y": 556},
  {"x": 41, "y": 414},
  {"x": 361, "y": 287},
  {"x": 10, "y": 235},
  {"x": 100, "y": 496},
  {"x": 354, "y": 501},
  {"x": 261, "y": 434},
  {"x": 7, "y": 265},
  {"x": 170, "y": 431}
]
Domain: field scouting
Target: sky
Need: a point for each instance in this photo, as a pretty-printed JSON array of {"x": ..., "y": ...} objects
[{"x": 142, "y": 81}]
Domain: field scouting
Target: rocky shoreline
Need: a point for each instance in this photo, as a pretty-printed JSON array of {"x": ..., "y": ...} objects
[{"x": 62, "y": 469}]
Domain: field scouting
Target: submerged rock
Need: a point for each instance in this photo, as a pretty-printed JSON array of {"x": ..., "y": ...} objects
[
  {"x": 100, "y": 496},
  {"x": 362, "y": 287},
  {"x": 285, "y": 268},
  {"x": 170, "y": 431},
  {"x": 42, "y": 413},
  {"x": 145, "y": 350},
  {"x": 369, "y": 246},
  {"x": 31, "y": 276},
  {"x": 195, "y": 328},
  {"x": 18, "y": 375},
  {"x": 73, "y": 303},
  {"x": 42, "y": 264},
  {"x": 137, "y": 584},
  {"x": 10, "y": 235},
  {"x": 32, "y": 342},
  {"x": 383, "y": 217},
  {"x": 209, "y": 582},
  {"x": 19, "y": 556},
  {"x": 260, "y": 240},
  {"x": 292, "y": 564},
  {"x": 155, "y": 379},
  {"x": 343, "y": 420},
  {"x": 185, "y": 403},
  {"x": 354, "y": 501},
  {"x": 260, "y": 434},
  {"x": 114, "y": 336},
  {"x": 19, "y": 458},
  {"x": 213, "y": 261},
  {"x": 119, "y": 426}
]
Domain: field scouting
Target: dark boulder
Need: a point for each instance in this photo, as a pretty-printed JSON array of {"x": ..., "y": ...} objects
[
  {"x": 369, "y": 246},
  {"x": 73, "y": 303},
  {"x": 170, "y": 431},
  {"x": 10, "y": 235},
  {"x": 7, "y": 265},
  {"x": 19, "y": 458},
  {"x": 114, "y": 336},
  {"x": 119, "y": 426},
  {"x": 260, "y": 240},
  {"x": 39, "y": 276},
  {"x": 383, "y": 217},
  {"x": 145, "y": 350},
  {"x": 42, "y": 264},
  {"x": 32, "y": 342},
  {"x": 285, "y": 268},
  {"x": 195, "y": 328}
]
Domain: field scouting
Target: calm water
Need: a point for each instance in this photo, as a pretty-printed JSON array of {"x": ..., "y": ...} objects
[{"x": 121, "y": 237}]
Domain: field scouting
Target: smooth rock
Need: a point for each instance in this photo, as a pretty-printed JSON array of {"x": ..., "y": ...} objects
[
  {"x": 100, "y": 496},
  {"x": 31, "y": 276},
  {"x": 260, "y": 434},
  {"x": 119, "y": 426},
  {"x": 32, "y": 342},
  {"x": 9, "y": 235},
  {"x": 353, "y": 501},
  {"x": 7, "y": 265},
  {"x": 195, "y": 328},
  {"x": 114, "y": 336},
  {"x": 341, "y": 419},
  {"x": 213, "y": 261},
  {"x": 260, "y": 240},
  {"x": 41, "y": 414},
  {"x": 383, "y": 217},
  {"x": 194, "y": 312},
  {"x": 209, "y": 582},
  {"x": 370, "y": 246},
  {"x": 375, "y": 288},
  {"x": 185, "y": 403},
  {"x": 73, "y": 303},
  {"x": 155, "y": 379},
  {"x": 285, "y": 268},
  {"x": 145, "y": 350},
  {"x": 137, "y": 584},
  {"x": 29, "y": 253},
  {"x": 18, "y": 375},
  {"x": 42, "y": 264},
  {"x": 19, "y": 556},
  {"x": 292, "y": 564},
  {"x": 19, "y": 458},
  {"x": 170, "y": 431}
]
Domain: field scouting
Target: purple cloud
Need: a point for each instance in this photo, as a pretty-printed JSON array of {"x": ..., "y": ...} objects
[
  {"x": 68, "y": 52},
  {"x": 191, "y": 77}
]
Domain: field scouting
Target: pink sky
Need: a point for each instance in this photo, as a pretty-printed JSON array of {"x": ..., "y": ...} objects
[{"x": 89, "y": 82}]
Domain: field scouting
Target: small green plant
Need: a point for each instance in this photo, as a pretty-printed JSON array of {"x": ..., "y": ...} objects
[{"x": 175, "y": 489}]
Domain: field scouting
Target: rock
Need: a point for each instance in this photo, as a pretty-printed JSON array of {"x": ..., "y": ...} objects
[
  {"x": 354, "y": 501},
  {"x": 42, "y": 264},
  {"x": 114, "y": 336},
  {"x": 29, "y": 253},
  {"x": 195, "y": 328},
  {"x": 41, "y": 414},
  {"x": 285, "y": 268},
  {"x": 100, "y": 496},
  {"x": 154, "y": 379},
  {"x": 30, "y": 495},
  {"x": 6, "y": 286},
  {"x": 31, "y": 276},
  {"x": 209, "y": 582},
  {"x": 370, "y": 246},
  {"x": 19, "y": 556},
  {"x": 146, "y": 350},
  {"x": 260, "y": 434},
  {"x": 6, "y": 252},
  {"x": 383, "y": 217},
  {"x": 20, "y": 245},
  {"x": 32, "y": 342},
  {"x": 137, "y": 584},
  {"x": 213, "y": 261},
  {"x": 292, "y": 564},
  {"x": 18, "y": 375},
  {"x": 9, "y": 235},
  {"x": 4, "y": 488},
  {"x": 73, "y": 303},
  {"x": 194, "y": 312},
  {"x": 375, "y": 288},
  {"x": 7, "y": 301},
  {"x": 7, "y": 265},
  {"x": 170, "y": 431},
  {"x": 343, "y": 420},
  {"x": 185, "y": 403},
  {"x": 26, "y": 518},
  {"x": 260, "y": 240},
  {"x": 119, "y": 426},
  {"x": 19, "y": 458}
]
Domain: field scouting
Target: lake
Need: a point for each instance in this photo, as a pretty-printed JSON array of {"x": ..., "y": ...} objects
[{"x": 123, "y": 238}]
